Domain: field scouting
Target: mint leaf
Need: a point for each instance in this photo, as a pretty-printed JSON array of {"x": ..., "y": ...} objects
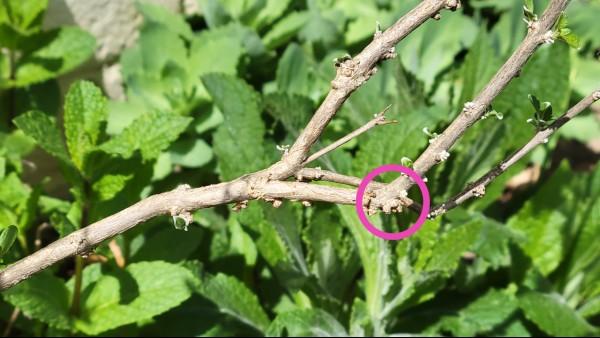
[
  {"x": 234, "y": 298},
  {"x": 542, "y": 235},
  {"x": 453, "y": 243},
  {"x": 241, "y": 134},
  {"x": 157, "y": 14},
  {"x": 85, "y": 110},
  {"x": 553, "y": 316},
  {"x": 63, "y": 50},
  {"x": 139, "y": 293},
  {"x": 150, "y": 134},
  {"x": 285, "y": 29},
  {"x": 482, "y": 315},
  {"x": 7, "y": 238},
  {"x": 43, "y": 297},
  {"x": 306, "y": 323},
  {"x": 190, "y": 153},
  {"x": 43, "y": 129}
]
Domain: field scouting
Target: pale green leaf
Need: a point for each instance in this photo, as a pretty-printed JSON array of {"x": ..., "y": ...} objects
[
  {"x": 306, "y": 323},
  {"x": 43, "y": 129},
  {"x": 85, "y": 110},
  {"x": 190, "y": 153},
  {"x": 62, "y": 51},
  {"x": 140, "y": 292},
  {"x": 110, "y": 185},
  {"x": 234, "y": 298},
  {"x": 553, "y": 316},
  {"x": 240, "y": 137},
  {"x": 150, "y": 134},
  {"x": 285, "y": 29},
  {"x": 43, "y": 297}
]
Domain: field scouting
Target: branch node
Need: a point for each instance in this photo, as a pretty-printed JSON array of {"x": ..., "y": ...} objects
[
  {"x": 181, "y": 214},
  {"x": 440, "y": 211},
  {"x": 436, "y": 16},
  {"x": 390, "y": 54},
  {"x": 240, "y": 205},
  {"x": 596, "y": 96},
  {"x": 183, "y": 187},
  {"x": 453, "y": 5},
  {"x": 306, "y": 203},
  {"x": 479, "y": 191},
  {"x": 442, "y": 156},
  {"x": 548, "y": 37},
  {"x": 469, "y": 108}
]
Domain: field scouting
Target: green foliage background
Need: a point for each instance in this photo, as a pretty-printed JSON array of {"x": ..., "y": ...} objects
[{"x": 210, "y": 97}]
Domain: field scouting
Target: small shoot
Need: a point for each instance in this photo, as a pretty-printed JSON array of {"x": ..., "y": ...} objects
[
  {"x": 563, "y": 32},
  {"x": 528, "y": 12},
  {"x": 542, "y": 117},
  {"x": 491, "y": 112},
  {"x": 406, "y": 162},
  {"x": 432, "y": 135}
]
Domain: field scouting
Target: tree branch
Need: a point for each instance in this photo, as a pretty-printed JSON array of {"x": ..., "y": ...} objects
[
  {"x": 438, "y": 150},
  {"x": 477, "y": 189},
  {"x": 351, "y": 74}
]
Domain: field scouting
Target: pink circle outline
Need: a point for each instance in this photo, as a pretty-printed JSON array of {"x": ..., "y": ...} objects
[{"x": 360, "y": 192}]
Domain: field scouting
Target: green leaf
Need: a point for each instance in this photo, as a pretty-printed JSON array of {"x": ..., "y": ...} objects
[
  {"x": 553, "y": 316},
  {"x": 446, "y": 254},
  {"x": 43, "y": 129},
  {"x": 7, "y": 238},
  {"x": 306, "y": 323},
  {"x": 85, "y": 110},
  {"x": 418, "y": 50},
  {"x": 190, "y": 153},
  {"x": 43, "y": 297},
  {"x": 62, "y": 224},
  {"x": 63, "y": 50},
  {"x": 159, "y": 245},
  {"x": 234, "y": 298},
  {"x": 157, "y": 14},
  {"x": 240, "y": 137},
  {"x": 140, "y": 292},
  {"x": 294, "y": 111},
  {"x": 541, "y": 230},
  {"x": 108, "y": 186},
  {"x": 150, "y": 134},
  {"x": 482, "y": 315},
  {"x": 376, "y": 258},
  {"x": 285, "y": 29}
]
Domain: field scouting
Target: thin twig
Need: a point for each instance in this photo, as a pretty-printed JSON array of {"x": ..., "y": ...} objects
[
  {"x": 477, "y": 189},
  {"x": 378, "y": 120},
  {"x": 439, "y": 149}
]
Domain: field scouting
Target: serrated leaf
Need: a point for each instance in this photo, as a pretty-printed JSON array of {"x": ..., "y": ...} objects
[
  {"x": 157, "y": 14},
  {"x": 542, "y": 235},
  {"x": 63, "y": 50},
  {"x": 452, "y": 244},
  {"x": 241, "y": 134},
  {"x": 150, "y": 134},
  {"x": 110, "y": 185},
  {"x": 43, "y": 129},
  {"x": 43, "y": 297},
  {"x": 85, "y": 110},
  {"x": 309, "y": 322},
  {"x": 285, "y": 29},
  {"x": 7, "y": 238},
  {"x": 140, "y": 292},
  {"x": 234, "y": 298},
  {"x": 482, "y": 315},
  {"x": 294, "y": 111},
  {"x": 553, "y": 316}
]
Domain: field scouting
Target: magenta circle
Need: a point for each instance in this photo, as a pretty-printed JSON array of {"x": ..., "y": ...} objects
[{"x": 361, "y": 192}]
